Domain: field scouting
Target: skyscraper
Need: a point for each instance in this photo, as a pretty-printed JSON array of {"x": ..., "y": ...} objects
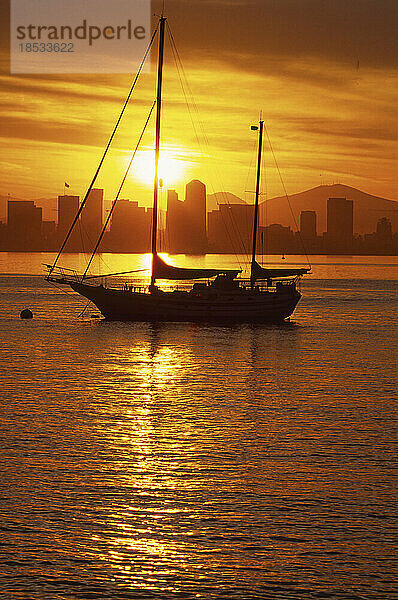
[
  {"x": 195, "y": 214},
  {"x": 230, "y": 228},
  {"x": 340, "y": 219},
  {"x": 130, "y": 228},
  {"x": 308, "y": 225},
  {"x": 48, "y": 234},
  {"x": 91, "y": 218},
  {"x": 67, "y": 210},
  {"x": 24, "y": 224},
  {"x": 384, "y": 229},
  {"x": 177, "y": 239}
]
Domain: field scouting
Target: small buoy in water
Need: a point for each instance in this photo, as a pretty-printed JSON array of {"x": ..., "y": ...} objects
[{"x": 26, "y": 314}]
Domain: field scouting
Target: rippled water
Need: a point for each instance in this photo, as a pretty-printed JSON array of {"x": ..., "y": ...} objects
[{"x": 186, "y": 461}]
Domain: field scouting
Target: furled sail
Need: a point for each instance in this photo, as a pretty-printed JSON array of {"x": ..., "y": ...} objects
[
  {"x": 162, "y": 270},
  {"x": 259, "y": 272}
]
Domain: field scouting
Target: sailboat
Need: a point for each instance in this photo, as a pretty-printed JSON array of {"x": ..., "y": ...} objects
[{"x": 269, "y": 296}]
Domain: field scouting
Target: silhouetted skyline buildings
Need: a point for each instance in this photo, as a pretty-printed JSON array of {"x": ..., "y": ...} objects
[
  {"x": 308, "y": 225},
  {"x": 188, "y": 228},
  {"x": 24, "y": 225},
  {"x": 92, "y": 218},
  {"x": 340, "y": 224},
  {"x": 67, "y": 210}
]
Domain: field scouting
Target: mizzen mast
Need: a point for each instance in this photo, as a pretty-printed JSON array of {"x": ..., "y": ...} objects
[
  {"x": 255, "y": 220},
  {"x": 157, "y": 146}
]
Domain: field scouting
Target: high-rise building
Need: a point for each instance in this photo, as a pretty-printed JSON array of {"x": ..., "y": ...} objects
[
  {"x": 340, "y": 219},
  {"x": 3, "y": 237},
  {"x": 230, "y": 228},
  {"x": 24, "y": 225},
  {"x": 130, "y": 228},
  {"x": 68, "y": 207},
  {"x": 195, "y": 216},
  {"x": 48, "y": 234},
  {"x": 219, "y": 241},
  {"x": 177, "y": 240},
  {"x": 92, "y": 218},
  {"x": 384, "y": 229},
  {"x": 308, "y": 225},
  {"x": 277, "y": 238}
]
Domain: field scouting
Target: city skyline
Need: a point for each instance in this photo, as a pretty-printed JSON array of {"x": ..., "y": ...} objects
[{"x": 189, "y": 226}]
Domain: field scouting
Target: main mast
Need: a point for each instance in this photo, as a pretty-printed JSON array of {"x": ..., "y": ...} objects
[
  {"x": 157, "y": 147},
  {"x": 255, "y": 221}
]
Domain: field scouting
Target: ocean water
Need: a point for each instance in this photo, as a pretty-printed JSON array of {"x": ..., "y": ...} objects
[{"x": 171, "y": 461}]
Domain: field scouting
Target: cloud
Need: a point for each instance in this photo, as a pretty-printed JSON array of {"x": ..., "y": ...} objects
[
  {"x": 338, "y": 31},
  {"x": 295, "y": 60}
]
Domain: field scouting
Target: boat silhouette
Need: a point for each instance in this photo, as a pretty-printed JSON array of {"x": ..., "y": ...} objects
[{"x": 269, "y": 296}]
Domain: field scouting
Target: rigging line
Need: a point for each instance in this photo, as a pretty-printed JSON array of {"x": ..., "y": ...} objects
[
  {"x": 184, "y": 80},
  {"x": 236, "y": 240},
  {"x": 181, "y": 75},
  {"x": 118, "y": 192},
  {"x": 84, "y": 309},
  {"x": 252, "y": 164},
  {"x": 81, "y": 236},
  {"x": 287, "y": 197},
  {"x": 265, "y": 208},
  {"x": 105, "y": 151},
  {"x": 234, "y": 225},
  {"x": 252, "y": 167},
  {"x": 231, "y": 225},
  {"x": 192, "y": 98},
  {"x": 114, "y": 274},
  {"x": 73, "y": 296},
  {"x": 85, "y": 237},
  {"x": 179, "y": 72}
]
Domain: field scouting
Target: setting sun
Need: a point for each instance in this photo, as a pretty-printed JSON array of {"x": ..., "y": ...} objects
[{"x": 171, "y": 169}]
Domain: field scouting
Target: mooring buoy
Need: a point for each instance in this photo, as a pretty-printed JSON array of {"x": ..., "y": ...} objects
[{"x": 26, "y": 313}]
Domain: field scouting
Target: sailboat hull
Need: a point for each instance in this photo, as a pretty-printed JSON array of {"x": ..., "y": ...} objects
[{"x": 247, "y": 306}]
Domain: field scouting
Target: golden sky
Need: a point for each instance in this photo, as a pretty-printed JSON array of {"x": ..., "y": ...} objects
[{"x": 323, "y": 73}]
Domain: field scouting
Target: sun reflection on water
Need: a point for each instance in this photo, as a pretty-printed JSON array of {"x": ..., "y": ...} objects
[{"x": 139, "y": 434}]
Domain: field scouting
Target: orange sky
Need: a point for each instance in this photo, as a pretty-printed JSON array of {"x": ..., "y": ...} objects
[{"x": 324, "y": 74}]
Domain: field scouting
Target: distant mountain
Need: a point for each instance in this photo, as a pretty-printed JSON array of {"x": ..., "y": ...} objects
[
  {"x": 213, "y": 200},
  {"x": 368, "y": 209}
]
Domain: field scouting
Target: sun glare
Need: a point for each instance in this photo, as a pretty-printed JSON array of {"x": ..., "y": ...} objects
[{"x": 171, "y": 169}]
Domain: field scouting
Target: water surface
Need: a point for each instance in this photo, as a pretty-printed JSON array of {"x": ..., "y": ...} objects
[{"x": 188, "y": 461}]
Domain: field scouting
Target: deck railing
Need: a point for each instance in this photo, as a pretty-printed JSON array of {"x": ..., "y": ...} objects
[
  {"x": 66, "y": 275},
  {"x": 62, "y": 273}
]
